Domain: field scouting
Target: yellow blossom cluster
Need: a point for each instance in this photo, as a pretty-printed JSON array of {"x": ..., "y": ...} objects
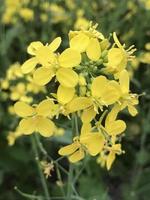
[
  {"x": 15, "y": 8},
  {"x": 16, "y": 86},
  {"x": 91, "y": 81}
]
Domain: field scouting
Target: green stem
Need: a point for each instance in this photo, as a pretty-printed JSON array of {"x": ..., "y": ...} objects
[
  {"x": 42, "y": 177},
  {"x": 75, "y": 131},
  {"x": 44, "y": 152},
  {"x": 70, "y": 177}
]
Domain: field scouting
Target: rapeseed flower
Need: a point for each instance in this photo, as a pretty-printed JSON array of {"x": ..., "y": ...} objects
[
  {"x": 36, "y": 119},
  {"x": 88, "y": 142}
]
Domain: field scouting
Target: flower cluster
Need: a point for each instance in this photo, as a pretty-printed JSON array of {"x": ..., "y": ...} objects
[{"x": 91, "y": 80}]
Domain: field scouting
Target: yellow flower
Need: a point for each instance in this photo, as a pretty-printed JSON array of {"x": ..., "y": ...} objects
[
  {"x": 90, "y": 142},
  {"x": 84, "y": 41},
  {"x": 114, "y": 127},
  {"x": 52, "y": 64},
  {"x": 43, "y": 55},
  {"x": 62, "y": 68},
  {"x": 104, "y": 92},
  {"x": 18, "y": 92},
  {"x": 127, "y": 99},
  {"x": 36, "y": 119},
  {"x": 115, "y": 149},
  {"x": 12, "y": 136},
  {"x": 33, "y": 87},
  {"x": 4, "y": 84},
  {"x": 81, "y": 23},
  {"x": 107, "y": 159},
  {"x": 74, "y": 151},
  {"x": 14, "y": 72},
  {"x": 118, "y": 57},
  {"x": 27, "y": 14}
]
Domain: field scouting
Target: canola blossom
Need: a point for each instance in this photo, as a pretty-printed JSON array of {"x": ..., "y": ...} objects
[{"x": 91, "y": 81}]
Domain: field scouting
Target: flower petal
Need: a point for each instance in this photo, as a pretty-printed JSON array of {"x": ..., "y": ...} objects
[
  {"x": 93, "y": 50},
  {"x": 27, "y": 126},
  {"x": 67, "y": 77},
  {"x": 69, "y": 149},
  {"x": 115, "y": 127},
  {"x": 45, "y": 56},
  {"x": 110, "y": 159},
  {"x": 94, "y": 142},
  {"x": 79, "y": 42},
  {"x": 98, "y": 86},
  {"x": 43, "y": 75},
  {"x": 45, "y": 108},
  {"x": 32, "y": 48},
  {"x": 23, "y": 110},
  {"x": 110, "y": 95},
  {"x": 86, "y": 129},
  {"x": 88, "y": 115},
  {"x": 124, "y": 82},
  {"x": 29, "y": 65},
  {"x": 132, "y": 110},
  {"x": 53, "y": 46},
  {"x": 77, "y": 156},
  {"x": 45, "y": 127},
  {"x": 69, "y": 58},
  {"x": 64, "y": 95},
  {"x": 79, "y": 103}
]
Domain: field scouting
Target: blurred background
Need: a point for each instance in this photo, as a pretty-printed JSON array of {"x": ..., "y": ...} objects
[{"x": 24, "y": 21}]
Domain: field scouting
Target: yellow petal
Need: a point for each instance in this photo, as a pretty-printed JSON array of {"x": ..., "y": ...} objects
[
  {"x": 88, "y": 115},
  {"x": 14, "y": 96},
  {"x": 27, "y": 126},
  {"x": 110, "y": 95},
  {"x": 29, "y": 65},
  {"x": 86, "y": 129},
  {"x": 93, "y": 50},
  {"x": 115, "y": 57},
  {"x": 45, "y": 127},
  {"x": 32, "y": 48},
  {"x": 124, "y": 81},
  {"x": 79, "y": 103},
  {"x": 117, "y": 148},
  {"x": 45, "y": 56},
  {"x": 64, "y": 95},
  {"x": 112, "y": 115},
  {"x": 98, "y": 86},
  {"x": 43, "y": 75},
  {"x": 77, "y": 156},
  {"x": 69, "y": 149},
  {"x": 94, "y": 142},
  {"x": 132, "y": 110},
  {"x": 55, "y": 44},
  {"x": 116, "y": 127},
  {"x": 67, "y": 77},
  {"x": 45, "y": 108},
  {"x": 110, "y": 159},
  {"x": 23, "y": 110},
  {"x": 69, "y": 58},
  {"x": 79, "y": 42}
]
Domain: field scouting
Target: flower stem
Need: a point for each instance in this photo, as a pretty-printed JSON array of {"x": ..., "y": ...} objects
[
  {"x": 42, "y": 177},
  {"x": 75, "y": 131},
  {"x": 70, "y": 178}
]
